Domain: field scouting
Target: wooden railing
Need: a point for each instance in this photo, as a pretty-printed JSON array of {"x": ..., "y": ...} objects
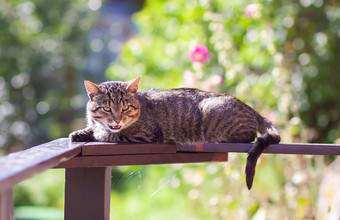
[{"x": 88, "y": 167}]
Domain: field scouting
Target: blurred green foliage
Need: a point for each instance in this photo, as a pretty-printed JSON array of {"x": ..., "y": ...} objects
[
  {"x": 41, "y": 197},
  {"x": 42, "y": 48}
]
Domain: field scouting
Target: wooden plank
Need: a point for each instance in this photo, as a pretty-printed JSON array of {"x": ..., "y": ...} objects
[
  {"x": 143, "y": 159},
  {"x": 21, "y": 165},
  {"x": 6, "y": 204},
  {"x": 310, "y": 149},
  {"x": 87, "y": 193},
  {"x": 101, "y": 148}
]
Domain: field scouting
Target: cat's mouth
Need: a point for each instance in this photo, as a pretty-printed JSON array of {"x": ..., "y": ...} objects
[{"x": 115, "y": 127}]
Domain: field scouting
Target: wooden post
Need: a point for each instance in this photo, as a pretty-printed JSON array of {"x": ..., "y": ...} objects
[
  {"x": 87, "y": 193},
  {"x": 6, "y": 204}
]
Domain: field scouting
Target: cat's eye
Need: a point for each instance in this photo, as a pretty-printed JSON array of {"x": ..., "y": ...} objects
[
  {"x": 125, "y": 108},
  {"x": 107, "y": 109}
]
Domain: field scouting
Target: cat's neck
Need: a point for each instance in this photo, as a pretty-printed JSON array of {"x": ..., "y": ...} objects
[{"x": 146, "y": 105}]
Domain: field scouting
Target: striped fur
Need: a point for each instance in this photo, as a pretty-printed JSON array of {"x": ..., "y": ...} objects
[{"x": 173, "y": 116}]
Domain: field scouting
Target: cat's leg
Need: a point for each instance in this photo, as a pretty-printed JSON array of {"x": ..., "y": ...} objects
[
  {"x": 242, "y": 137},
  {"x": 241, "y": 133},
  {"x": 82, "y": 135}
]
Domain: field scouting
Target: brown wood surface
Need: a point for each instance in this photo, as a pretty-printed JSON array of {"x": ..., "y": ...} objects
[
  {"x": 309, "y": 149},
  {"x": 143, "y": 159},
  {"x": 21, "y": 165},
  {"x": 87, "y": 193},
  {"x": 88, "y": 174},
  {"x": 6, "y": 204},
  {"x": 101, "y": 148}
]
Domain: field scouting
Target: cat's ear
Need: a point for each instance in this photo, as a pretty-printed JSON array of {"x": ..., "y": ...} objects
[
  {"x": 91, "y": 88},
  {"x": 133, "y": 85}
]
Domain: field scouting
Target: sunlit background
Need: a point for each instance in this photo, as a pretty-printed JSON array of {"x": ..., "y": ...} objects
[{"x": 281, "y": 57}]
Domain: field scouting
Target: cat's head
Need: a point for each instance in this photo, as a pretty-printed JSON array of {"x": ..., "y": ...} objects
[{"x": 113, "y": 105}]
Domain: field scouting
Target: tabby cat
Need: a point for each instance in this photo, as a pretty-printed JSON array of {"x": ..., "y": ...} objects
[{"x": 116, "y": 112}]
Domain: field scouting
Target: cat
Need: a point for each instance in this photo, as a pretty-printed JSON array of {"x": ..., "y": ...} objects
[{"x": 117, "y": 112}]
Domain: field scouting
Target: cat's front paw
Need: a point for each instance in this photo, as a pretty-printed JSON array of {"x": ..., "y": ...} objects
[{"x": 81, "y": 136}]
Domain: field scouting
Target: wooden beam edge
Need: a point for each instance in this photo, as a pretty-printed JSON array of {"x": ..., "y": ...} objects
[
  {"x": 143, "y": 159},
  {"x": 308, "y": 149},
  {"x": 101, "y": 148},
  {"x": 9, "y": 179}
]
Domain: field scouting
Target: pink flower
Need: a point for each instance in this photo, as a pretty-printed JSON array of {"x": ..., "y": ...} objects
[
  {"x": 189, "y": 78},
  {"x": 272, "y": 117},
  {"x": 199, "y": 54},
  {"x": 207, "y": 86},
  {"x": 253, "y": 10},
  {"x": 217, "y": 80}
]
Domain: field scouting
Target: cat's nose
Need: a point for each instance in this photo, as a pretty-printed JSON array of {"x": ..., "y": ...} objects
[{"x": 117, "y": 121}]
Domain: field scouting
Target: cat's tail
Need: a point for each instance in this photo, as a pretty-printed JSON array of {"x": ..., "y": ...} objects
[{"x": 269, "y": 135}]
